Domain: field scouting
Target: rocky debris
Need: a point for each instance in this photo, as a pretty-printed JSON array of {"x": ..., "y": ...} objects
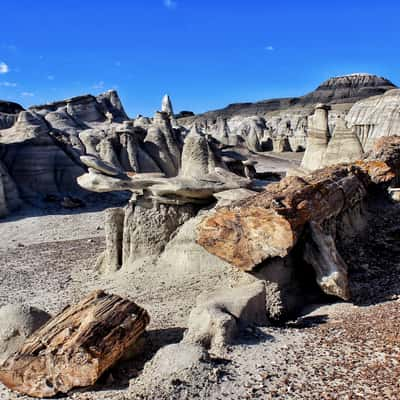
[
  {"x": 269, "y": 225},
  {"x": 17, "y": 323},
  {"x": 76, "y": 347},
  {"x": 218, "y": 316}
]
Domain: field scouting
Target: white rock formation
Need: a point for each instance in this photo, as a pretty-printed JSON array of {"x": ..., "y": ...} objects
[{"x": 376, "y": 117}]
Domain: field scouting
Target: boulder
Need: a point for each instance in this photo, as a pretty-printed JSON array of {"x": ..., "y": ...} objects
[
  {"x": 216, "y": 319},
  {"x": 17, "y": 323}
]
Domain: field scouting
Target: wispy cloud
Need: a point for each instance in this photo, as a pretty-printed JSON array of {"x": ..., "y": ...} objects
[
  {"x": 27, "y": 94},
  {"x": 9, "y": 47},
  {"x": 269, "y": 48},
  {"x": 8, "y": 84},
  {"x": 4, "y": 68},
  {"x": 170, "y": 4},
  {"x": 98, "y": 85},
  {"x": 51, "y": 77}
]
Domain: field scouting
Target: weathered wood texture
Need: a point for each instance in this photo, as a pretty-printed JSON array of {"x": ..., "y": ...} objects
[
  {"x": 269, "y": 224},
  {"x": 74, "y": 348}
]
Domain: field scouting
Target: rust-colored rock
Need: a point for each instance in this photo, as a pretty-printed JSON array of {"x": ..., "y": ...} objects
[
  {"x": 74, "y": 348},
  {"x": 269, "y": 224}
]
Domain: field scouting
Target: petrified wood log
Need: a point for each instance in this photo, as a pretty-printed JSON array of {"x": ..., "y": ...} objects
[
  {"x": 74, "y": 348},
  {"x": 269, "y": 224}
]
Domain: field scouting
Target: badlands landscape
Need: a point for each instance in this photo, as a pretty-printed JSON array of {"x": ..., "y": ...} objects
[{"x": 246, "y": 252}]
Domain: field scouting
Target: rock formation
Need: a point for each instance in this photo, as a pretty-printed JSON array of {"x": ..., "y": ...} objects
[
  {"x": 318, "y": 210},
  {"x": 287, "y": 118},
  {"x": 375, "y": 117},
  {"x": 166, "y": 106},
  {"x": 75, "y": 347},
  {"x": 40, "y": 148},
  {"x": 344, "y": 145},
  {"x": 317, "y": 140},
  {"x": 17, "y": 323}
]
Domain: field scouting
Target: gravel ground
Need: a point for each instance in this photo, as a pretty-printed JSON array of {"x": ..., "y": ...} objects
[{"x": 335, "y": 351}]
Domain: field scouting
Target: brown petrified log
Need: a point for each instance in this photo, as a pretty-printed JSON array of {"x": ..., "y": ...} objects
[
  {"x": 269, "y": 224},
  {"x": 76, "y": 347}
]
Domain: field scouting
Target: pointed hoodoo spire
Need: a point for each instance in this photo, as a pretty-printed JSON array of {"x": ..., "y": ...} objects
[{"x": 166, "y": 106}]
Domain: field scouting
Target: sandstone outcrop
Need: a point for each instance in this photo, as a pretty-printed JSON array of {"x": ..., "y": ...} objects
[{"x": 74, "y": 348}]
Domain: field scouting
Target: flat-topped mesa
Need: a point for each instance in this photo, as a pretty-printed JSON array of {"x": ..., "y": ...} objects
[
  {"x": 348, "y": 89},
  {"x": 269, "y": 225}
]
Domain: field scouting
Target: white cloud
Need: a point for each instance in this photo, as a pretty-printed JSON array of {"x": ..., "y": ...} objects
[
  {"x": 8, "y": 84},
  {"x": 27, "y": 94},
  {"x": 269, "y": 48},
  {"x": 171, "y": 4},
  {"x": 50, "y": 77},
  {"x": 4, "y": 68},
  {"x": 98, "y": 85}
]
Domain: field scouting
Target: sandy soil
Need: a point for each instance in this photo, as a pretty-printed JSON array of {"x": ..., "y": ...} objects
[{"x": 336, "y": 351}]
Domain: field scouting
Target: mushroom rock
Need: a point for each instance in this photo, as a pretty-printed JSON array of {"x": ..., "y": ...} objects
[{"x": 317, "y": 140}]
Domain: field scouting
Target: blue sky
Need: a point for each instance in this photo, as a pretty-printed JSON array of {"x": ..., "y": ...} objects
[{"x": 205, "y": 54}]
